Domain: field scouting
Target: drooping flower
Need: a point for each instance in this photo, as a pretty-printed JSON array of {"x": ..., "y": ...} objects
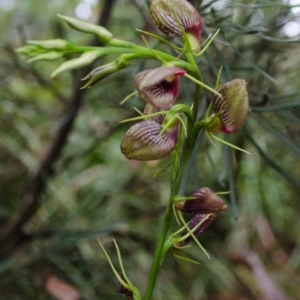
[
  {"x": 159, "y": 86},
  {"x": 196, "y": 220},
  {"x": 205, "y": 202},
  {"x": 144, "y": 141},
  {"x": 232, "y": 107},
  {"x": 169, "y": 16}
]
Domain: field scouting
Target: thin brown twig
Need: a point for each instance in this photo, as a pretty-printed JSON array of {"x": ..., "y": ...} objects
[{"x": 11, "y": 232}]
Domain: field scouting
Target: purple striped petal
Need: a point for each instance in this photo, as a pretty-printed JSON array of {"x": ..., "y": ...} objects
[
  {"x": 150, "y": 109},
  {"x": 234, "y": 105},
  {"x": 206, "y": 202},
  {"x": 143, "y": 141},
  {"x": 159, "y": 87},
  {"x": 167, "y": 14}
]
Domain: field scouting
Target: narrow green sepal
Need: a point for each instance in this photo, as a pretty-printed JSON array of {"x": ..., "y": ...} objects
[
  {"x": 228, "y": 144},
  {"x": 186, "y": 259}
]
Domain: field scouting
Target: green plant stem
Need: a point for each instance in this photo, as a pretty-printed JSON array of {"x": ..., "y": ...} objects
[
  {"x": 167, "y": 222},
  {"x": 197, "y": 74},
  {"x": 140, "y": 52},
  {"x": 187, "y": 151}
]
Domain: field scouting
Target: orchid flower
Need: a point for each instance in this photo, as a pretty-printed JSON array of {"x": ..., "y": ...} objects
[
  {"x": 160, "y": 86},
  {"x": 203, "y": 201},
  {"x": 152, "y": 139},
  {"x": 171, "y": 17},
  {"x": 231, "y": 109}
]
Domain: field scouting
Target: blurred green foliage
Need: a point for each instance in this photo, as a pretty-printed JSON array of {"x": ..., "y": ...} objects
[{"x": 92, "y": 191}]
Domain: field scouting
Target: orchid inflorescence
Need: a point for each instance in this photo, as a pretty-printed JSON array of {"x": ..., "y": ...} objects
[{"x": 164, "y": 128}]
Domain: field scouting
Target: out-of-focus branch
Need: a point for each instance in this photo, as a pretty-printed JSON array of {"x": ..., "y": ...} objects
[
  {"x": 268, "y": 287},
  {"x": 149, "y": 25},
  {"x": 11, "y": 231},
  {"x": 17, "y": 65}
]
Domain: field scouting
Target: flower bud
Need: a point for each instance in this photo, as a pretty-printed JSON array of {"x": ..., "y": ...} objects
[
  {"x": 52, "y": 55},
  {"x": 85, "y": 59},
  {"x": 197, "y": 219},
  {"x": 57, "y": 44},
  {"x": 29, "y": 50},
  {"x": 102, "y": 33},
  {"x": 144, "y": 141},
  {"x": 105, "y": 70},
  {"x": 159, "y": 87},
  {"x": 169, "y": 16},
  {"x": 232, "y": 107},
  {"x": 205, "y": 202}
]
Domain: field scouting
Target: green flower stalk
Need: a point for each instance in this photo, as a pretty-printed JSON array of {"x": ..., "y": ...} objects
[
  {"x": 231, "y": 108},
  {"x": 174, "y": 17}
]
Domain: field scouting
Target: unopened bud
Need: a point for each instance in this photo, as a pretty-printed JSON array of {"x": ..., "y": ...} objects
[
  {"x": 205, "y": 202},
  {"x": 29, "y": 50},
  {"x": 145, "y": 141},
  {"x": 52, "y": 55},
  {"x": 102, "y": 33},
  {"x": 58, "y": 44},
  {"x": 231, "y": 108},
  {"x": 85, "y": 59},
  {"x": 169, "y": 16},
  {"x": 105, "y": 70}
]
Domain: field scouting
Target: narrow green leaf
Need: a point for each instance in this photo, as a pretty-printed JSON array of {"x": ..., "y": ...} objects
[
  {"x": 270, "y": 161},
  {"x": 227, "y": 143}
]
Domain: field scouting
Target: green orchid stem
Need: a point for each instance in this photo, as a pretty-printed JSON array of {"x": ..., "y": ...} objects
[
  {"x": 191, "y": 59},
  {"x": 187, "y": 151},
  {"x": 140, "y": 52},
  {"x": 197, "y": 127},
  {"x": 158, "y": 257},
  {"x": 185, "y": 109}
]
